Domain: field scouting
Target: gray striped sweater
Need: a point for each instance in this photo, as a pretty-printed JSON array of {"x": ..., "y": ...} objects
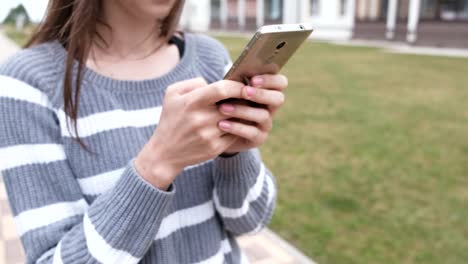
[{"x": 71, "y": 206}]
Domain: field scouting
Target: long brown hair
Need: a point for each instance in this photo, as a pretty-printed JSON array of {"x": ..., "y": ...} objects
[{"x": 73, "y": 23}]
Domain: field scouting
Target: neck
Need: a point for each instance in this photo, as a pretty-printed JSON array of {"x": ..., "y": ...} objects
[{"x": 128, "y": 36}]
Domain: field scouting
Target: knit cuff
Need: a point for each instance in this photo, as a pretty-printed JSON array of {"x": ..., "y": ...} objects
[
  {"x": 235, "y": 176},
  {"x": 240, "y": 170},
  {"x": 129, "y": 216}
]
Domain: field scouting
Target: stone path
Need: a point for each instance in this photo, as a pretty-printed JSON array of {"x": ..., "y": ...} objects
[
  {"x": 404, "y": 48},
  {"x": 264, "y": 248},
  {"x": 386, "y": 46}
]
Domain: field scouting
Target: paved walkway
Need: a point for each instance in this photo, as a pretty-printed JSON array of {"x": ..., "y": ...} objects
[
  {"x": 446, "y": 34},
  {"x": 404, "y": 48},
  {"x": 264, "y": 248},
  {"x": 387, "y": 46}
]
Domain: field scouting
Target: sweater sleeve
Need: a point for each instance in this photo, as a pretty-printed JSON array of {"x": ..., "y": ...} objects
[
  {"x": 55, "y": 222},
  {"x": 245, "y": 190},
  {"x": 244, "y": 193}
]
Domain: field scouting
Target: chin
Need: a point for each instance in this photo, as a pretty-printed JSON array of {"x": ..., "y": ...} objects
[
  {"x": 159, "y": 10},
  {"x": 162, "y": 7},
  {"x": 149, "y": 9}
]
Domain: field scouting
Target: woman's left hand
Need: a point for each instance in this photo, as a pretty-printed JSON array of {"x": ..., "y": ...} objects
[{"x": 253, "y": 132}]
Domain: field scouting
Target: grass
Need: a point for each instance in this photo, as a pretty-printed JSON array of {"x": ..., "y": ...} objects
[
  {"x": 371, "y": 156},
  {"x": 19, "y": 37}
]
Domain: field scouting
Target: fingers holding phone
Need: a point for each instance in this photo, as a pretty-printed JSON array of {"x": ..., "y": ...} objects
[
  {"x": 253, "y": 124},
  {"x": 270, "y": 81},
  {"x": 268, "y": 90}
]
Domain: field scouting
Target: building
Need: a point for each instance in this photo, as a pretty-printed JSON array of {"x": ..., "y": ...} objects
[{"x": 338, "y": 19}]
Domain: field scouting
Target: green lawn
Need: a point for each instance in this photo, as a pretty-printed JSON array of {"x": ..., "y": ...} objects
[
  {"x": 20, "y": 37},
  {"x": 371, "y": 156}
]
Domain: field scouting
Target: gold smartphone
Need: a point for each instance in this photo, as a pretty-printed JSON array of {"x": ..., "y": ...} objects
[{"x": 268, "y": 51}]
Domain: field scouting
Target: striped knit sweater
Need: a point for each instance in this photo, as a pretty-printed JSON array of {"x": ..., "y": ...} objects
[{"x": 71, "y": 206}]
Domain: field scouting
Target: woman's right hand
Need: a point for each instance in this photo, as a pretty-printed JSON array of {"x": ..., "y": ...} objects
[{"x": 188, "y": 131}]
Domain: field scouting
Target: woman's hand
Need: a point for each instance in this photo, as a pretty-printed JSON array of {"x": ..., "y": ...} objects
[
  {"x": 188, "y": 131},
  {"x": 266, "y": 90}
]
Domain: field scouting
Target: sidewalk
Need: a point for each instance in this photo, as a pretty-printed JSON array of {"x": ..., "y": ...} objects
[
  {"x": 264, "y": 248},
  {"x": 405, "y": 48},
  {"x": 386, "y": 46}
]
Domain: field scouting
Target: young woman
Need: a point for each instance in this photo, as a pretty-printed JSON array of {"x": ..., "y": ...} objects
[{"x": 113, "y": 147}]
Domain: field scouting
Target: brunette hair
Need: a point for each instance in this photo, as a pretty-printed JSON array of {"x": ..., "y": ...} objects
[{"x": 73, "y": 23}]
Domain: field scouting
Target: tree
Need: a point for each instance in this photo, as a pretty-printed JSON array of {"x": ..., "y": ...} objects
[{"x": 14, "y": 13}]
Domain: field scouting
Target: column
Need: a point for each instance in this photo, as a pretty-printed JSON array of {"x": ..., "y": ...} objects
[
  {"x": 275, "y": 9},
  {"x": 223, "y": 14},
  {"x": 413, "y": 20},
  {"x": 290, "y": 12},
  {"x": 260, "y": 13},
  {"x": 304, "y": 10},
  {"x": 361, "y": 10},
  {"x": 373, "y": 10},
  {"x": 391, "y": 18},
  {"x": 241, "y": 14},
  {"x": 351, "y": 16}
]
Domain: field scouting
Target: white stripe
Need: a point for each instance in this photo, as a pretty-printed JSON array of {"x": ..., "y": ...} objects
[
  {"x": 244, "y": 259},
  {"x": 105, "y": 121},
  {"x": 271, "y": 196},
  {"x": 253, "y": 194},
  {"x": 44, "y": 216},
  {"x": 101, "y": 183},
  {"x": 87, "y": 126},
  {"x": 16, "y": 89},
  {"x": 217, "y": 258},
  {"x": 271, "y": 189},
  {"x": 46, "y": 256},
  {"x": 185, "y": 218},
  {"x": 226, "y": 246},
  {"x": 197, "y": 165},
  {"x": 19, "y": 155},
  {"x": 58, "y": 254},
  {"x": 102, "y": 251}
]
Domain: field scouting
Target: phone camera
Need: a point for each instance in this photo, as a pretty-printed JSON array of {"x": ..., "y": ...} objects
[
  {"x": 302, "y": 27},
  {"x": 281, "y": 45}
]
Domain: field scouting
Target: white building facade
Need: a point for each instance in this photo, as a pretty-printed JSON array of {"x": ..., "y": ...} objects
[{"x": 331, "y": 19}]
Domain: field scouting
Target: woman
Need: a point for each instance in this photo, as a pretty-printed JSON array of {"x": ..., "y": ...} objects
[{"x": 113, "y": 148}]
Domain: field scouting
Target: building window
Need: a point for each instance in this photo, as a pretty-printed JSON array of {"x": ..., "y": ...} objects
[
  {"x": 314, "y": 7},
  {"x": 343, "y": 7},
  {"x": 454, "y": 10},
  {"x": 216, "y": 9},
  {"x": 275, "y": 9}
]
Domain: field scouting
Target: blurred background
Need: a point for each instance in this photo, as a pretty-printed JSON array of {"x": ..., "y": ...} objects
[{"x": 371, "y": 149}]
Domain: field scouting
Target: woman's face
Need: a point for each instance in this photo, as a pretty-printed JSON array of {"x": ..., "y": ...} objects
[{"x": 146, "y": 9}]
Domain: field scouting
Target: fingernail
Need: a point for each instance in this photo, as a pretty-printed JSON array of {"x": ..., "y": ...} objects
[
  {"x": 227, "y": 107},
  {"x": 257, "y": 81},
  {"x": 251, "y": 91},
  {"x": 225, "y": 125}
]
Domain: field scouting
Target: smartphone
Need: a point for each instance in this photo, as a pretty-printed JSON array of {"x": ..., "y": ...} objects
[{"x": 268, "y": 51}]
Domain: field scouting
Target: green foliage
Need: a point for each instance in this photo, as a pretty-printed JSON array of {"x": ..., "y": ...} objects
[
  {"x": 14, "y": 12},
  {"x": 370, "y": 153},
  {"x": 19, "y": 37}
]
